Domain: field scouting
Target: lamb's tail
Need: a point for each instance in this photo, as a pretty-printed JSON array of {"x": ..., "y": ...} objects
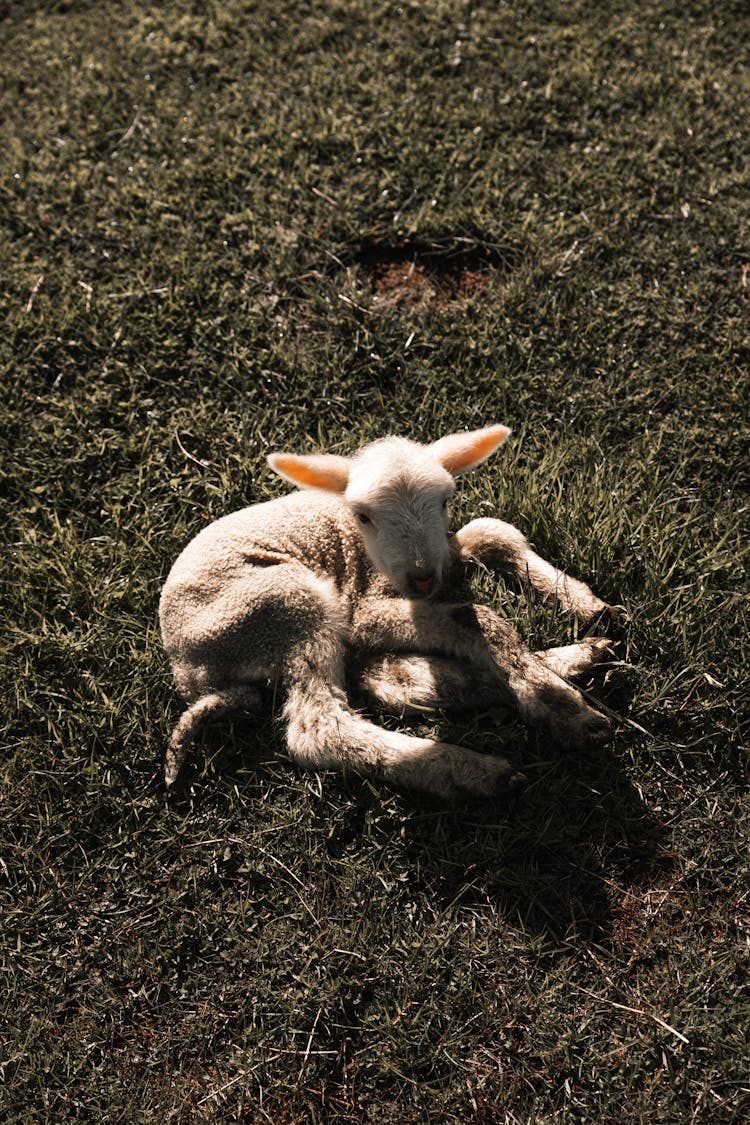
[
  {"x": 324, "y": 732},
  {"x": 204, "y": 708}
]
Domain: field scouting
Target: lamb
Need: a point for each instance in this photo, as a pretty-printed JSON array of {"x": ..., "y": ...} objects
[{"x": 348, "y": 582}]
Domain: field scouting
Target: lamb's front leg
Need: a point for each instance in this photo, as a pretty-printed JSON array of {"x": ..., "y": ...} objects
[
  {"x": 477, "y": 636},
  {"x": 500, "y": 546}
]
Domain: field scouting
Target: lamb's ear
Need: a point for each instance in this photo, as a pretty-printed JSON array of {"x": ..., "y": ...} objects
[
  {"x": 318, "y": 470},
  {"x": 460, "y": 452}
]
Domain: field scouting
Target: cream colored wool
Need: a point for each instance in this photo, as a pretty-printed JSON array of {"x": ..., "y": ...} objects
[{"x": 349, "y": 582}]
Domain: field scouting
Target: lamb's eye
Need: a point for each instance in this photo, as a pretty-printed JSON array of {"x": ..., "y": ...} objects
[{"x": 363, "y": 518}]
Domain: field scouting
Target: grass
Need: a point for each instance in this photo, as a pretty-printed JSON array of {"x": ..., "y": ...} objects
[{"x": 189, "y": 197}]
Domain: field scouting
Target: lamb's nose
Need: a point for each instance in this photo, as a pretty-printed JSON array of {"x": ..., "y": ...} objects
[{"x": 422, "y": 581}]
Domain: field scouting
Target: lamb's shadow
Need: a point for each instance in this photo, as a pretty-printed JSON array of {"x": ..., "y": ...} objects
[
  {"x": 556, "y": 858},
  {"x": 560, "y": 856}
]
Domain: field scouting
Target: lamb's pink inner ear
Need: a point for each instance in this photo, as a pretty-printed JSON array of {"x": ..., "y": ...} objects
[
  {"x": 325, "y": 471},
  {"x": 460, "y": 452}
]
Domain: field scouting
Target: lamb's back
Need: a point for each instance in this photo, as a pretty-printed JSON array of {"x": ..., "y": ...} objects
[{"x": 311, "y": 528}]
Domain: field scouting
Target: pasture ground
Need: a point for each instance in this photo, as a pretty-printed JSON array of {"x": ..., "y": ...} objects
[{"x": 237, "y": 227}]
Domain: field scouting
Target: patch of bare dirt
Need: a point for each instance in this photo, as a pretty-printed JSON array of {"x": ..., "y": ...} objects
[{"x": 410, "y": 273}]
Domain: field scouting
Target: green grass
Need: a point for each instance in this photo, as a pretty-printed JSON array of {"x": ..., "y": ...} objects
[{"x": 186, "y": 191}]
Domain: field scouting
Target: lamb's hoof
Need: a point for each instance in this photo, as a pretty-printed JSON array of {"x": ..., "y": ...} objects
[
  {"x": 594, "y": 613},
  {"x": 610, "y": 616},
  {"x": 595, "y": 730},
  {"x": 488, "y": 777},
  {"x": 509, "y": 780},
  {"x": 517, "y": 782},
  {"x": 600, "y": 649},
  {"x": 583, "y": 729}
]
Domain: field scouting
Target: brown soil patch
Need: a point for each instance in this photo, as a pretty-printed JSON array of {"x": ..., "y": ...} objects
[{"x": 410, "y": 273}]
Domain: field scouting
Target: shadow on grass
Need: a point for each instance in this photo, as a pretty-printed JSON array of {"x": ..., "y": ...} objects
[
  {"x": 557, "y": 859},
  {"x": 562, "y": 854}
]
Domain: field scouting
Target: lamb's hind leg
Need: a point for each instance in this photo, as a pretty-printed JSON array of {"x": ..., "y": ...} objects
[
  {"x": 412, "y": 684},
  {"x": 324, "y": 732},
  {"x": 570, "y": 661},
  {"x": 544, "y": 698},
  {"x": 223, "y": 640},
  {"x": 477, "y": 636}
]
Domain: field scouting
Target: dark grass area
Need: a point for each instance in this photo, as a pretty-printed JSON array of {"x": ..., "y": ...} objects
[{"x": 191, "y": 197}]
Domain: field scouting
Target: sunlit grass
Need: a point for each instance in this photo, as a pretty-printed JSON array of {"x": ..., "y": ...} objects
[{"x": 188, "y": 194}]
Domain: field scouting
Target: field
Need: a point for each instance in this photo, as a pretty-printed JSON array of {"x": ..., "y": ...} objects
[{"x": 228, "y": 228}]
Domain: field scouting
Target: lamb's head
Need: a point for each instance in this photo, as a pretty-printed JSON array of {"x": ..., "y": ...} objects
[{"x": 398, "y": 493}]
